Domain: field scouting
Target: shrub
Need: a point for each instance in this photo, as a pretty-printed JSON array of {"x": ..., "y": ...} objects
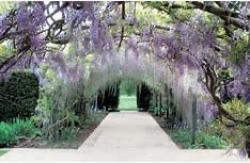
[
  {"x": 18, "y": 97},
  {"x": 144, "y": 96},
  {"x": 181, "y": 136},
  {"x": 211, "y": 141},
  {"x": 203, "y": 140},
  {"x": 24, "y": 128},
  {"x": 238, "y": 107},
  {"x": 89, "y": 119},
  {"x": 239, "y": 50},
  {"x": 10, "y": 132},
  {"x": 7, "y": 134},
  {"x": 109, "y": 97},
  {"x": 69, "y": 133}
]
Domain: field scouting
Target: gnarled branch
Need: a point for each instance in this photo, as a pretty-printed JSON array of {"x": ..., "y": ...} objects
[{"x": 211, "y": 84}]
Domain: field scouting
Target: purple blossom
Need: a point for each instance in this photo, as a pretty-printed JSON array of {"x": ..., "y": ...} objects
[
  {"x": 132, "y": 42},
  {"x": 181, "y": 28},
  {"x": 100, "y": 38},
  {"x": 36, "y": 43},
  {"x": 145, "y": 48},
  {"x": 58, "y": 61},
  {"x": 209, "y": 110},
  {"x": 246, "y": 68},
  {"x": 73, "y": 74},
  {"x": 38, "y": 15},
  {"x": 23, "y": 17},
  {"x": 236, "y": 88},
  {"x": 247, "y": 93},
  {"x": 181, "y": 68},
  {"x": 29, "y": 21}
]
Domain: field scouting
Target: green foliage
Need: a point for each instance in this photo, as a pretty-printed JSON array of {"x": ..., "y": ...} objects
[
  {"x": 45, "y": 104},
  {"x": 18, "y": 96},
  {"x": 6, "y": 6},
  {"x": 10, "y": 132},
  {"x": 246, "y": 132},
  {"x": 211, "y": 141},
  {"x": 87, "y": 120},
  {"x": 144, "y": 96},
  {"x": 7, "y": 134},
  {"x": 128, "y": 88},
  {"x": 24, "y": 128},
  {"x": 157, "y": 110},
  {"x": 54, "y": 120},
  {"x": 227, "y": 129},
  {"x": 218, "y": 128},
  {"x": 224, "y": 74},
  {"x": 181, "y": 136},
  {"x": 146, "y": 14},
  {"x": 239, "y": 50},
  {"x": 109, "y": 97},
  {"x": 69, "y": 133},
  {"x": 57, "y": 110},
  {"x": 5, "y": 49},
  {"x": 182, "y": 15},
  {"x": 238, "y": 108},
  {"x": 203, "y": 140}
]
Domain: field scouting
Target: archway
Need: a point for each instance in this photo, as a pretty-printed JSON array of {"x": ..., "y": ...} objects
[{"x": 128, "y": 75}]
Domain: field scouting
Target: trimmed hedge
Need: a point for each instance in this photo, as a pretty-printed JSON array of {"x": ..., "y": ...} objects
[
  {"x": 144, "y": 96},
  {"x": 109, "y": 98},
  {"x": 18, "y": 96}
]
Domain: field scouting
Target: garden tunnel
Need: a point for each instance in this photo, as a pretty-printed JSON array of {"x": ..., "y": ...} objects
[{"x": 152, "y": 88}]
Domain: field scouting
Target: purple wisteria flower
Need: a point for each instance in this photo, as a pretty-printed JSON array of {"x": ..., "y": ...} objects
[{"x": 29, "y": 21}]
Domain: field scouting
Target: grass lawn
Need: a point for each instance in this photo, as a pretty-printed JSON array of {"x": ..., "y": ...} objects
[
  {"x": 127, "y": 103},
  {"x": 3, "y": 151}
]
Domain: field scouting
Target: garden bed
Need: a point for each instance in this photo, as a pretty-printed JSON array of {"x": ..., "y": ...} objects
[
  {"x": 182, "y": 138},
  {"x": 161, "y": 122},
  {"x": 72, "y": 140}
]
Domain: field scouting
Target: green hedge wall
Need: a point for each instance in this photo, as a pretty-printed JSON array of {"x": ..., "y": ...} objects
[
  {"x": 144, "y": 96},
  {"x": 18, "y": 96},
  {"x": 109, "y": 98}
]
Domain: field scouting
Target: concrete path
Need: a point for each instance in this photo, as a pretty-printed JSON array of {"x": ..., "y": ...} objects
[{"x": 124, "y": 136}]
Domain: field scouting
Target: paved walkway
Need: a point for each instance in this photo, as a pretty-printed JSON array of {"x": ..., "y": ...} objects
[{"x": 123, "y": 136}]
